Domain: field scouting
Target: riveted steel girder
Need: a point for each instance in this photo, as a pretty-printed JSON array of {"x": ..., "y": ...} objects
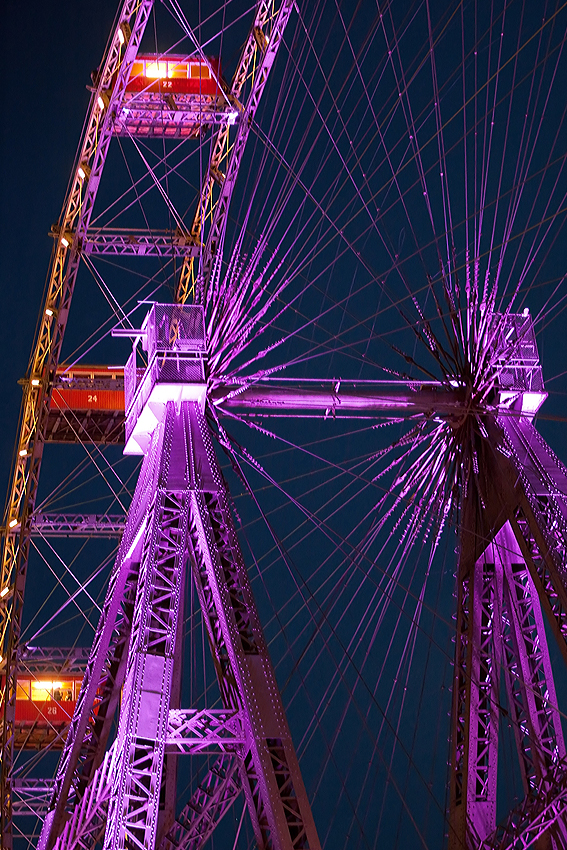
[{"x": 181, "y": 516}]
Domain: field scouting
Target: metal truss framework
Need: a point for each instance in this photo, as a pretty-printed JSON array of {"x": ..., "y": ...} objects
[
  {"x": 178, "y": 117},
  {"x": 78, "y": 525},
  {"x": 139, "y": 243},
  {"x": 38, "y": 422},
  {"x": 500, "y": 633},
  {"x": 516, "y": 572},
  {"x": 512, "y": 555},
  {"x": 32, "y": 796},
  {"x": 181, "y": 517},
  {"x": 211, "y": 800},
  {"x": 39, "y": 659}
]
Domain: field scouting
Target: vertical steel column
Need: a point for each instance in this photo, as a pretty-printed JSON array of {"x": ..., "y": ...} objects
[
  {"x": 270, "y": 773},
  {"x": 134, "y": 805},
  {"x": 527, "y": 667},
  {"x": 475, "y": 698}
]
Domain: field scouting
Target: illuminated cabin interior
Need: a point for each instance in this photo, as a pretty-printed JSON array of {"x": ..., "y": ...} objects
[{"x": 44, "y": 707}]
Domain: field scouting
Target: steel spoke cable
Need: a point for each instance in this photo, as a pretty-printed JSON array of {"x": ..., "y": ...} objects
[
  {"x": 59, "y": 492},
  {"x": 135, "y": 186},
  {"x": 67, "y": 568},
  {"x": 521, "y": 165},
  {"x": 114, "y": 305},
  {"x": 94, "y": 575},
  {"x": 331, "y": 533},
  {"x": 422, "y": 690},
  {"x": 332, "y": 592},
  {"x": 92, "y": 450},
  {"x": 180, "y": 17},
  {"x": 429, "y": 646},
  {"x": 335, "y": 635},
  {"x": 340, "y": 321},
  {"x": 247, "y": 460},
  {"x": 102, "y": 332},
  {"x": 320, "y": 524},
  {"x": 60, "y": 583},
  {"x": 330, "y": 754},
  {"x": 333, "y": 684},
  {"x": 350, "y": 472},
  {"x": 533, "y": 250}
]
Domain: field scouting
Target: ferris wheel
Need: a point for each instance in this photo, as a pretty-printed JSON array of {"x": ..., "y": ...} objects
[{"x": 295, "y": 571}]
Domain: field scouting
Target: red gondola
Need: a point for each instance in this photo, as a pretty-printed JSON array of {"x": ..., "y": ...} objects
[
  {"x": 45, "y": 705},
  {"x": 175, "y": 75},
  {"x": 88, "y": 388}
]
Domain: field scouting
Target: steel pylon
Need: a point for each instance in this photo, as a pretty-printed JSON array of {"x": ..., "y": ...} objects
[
  {"x": 511, "y": 572},
  {"x": 179, "y": 528},
  {"x": 74, "y": 240}
]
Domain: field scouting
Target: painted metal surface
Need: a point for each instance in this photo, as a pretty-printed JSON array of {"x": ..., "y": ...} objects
[{"x": 181, "y": 519}]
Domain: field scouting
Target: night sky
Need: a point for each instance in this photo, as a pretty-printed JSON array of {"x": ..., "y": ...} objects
[{"x": 338, "y": 599}]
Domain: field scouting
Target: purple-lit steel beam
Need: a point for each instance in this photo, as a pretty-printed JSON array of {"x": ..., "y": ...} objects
[
  {"x": 211, "y": 801},
  {"x": 204, "y": 730},
  {"x": 499, "y": 628},
  {"x": 38, "y": 659},
  {"x": 537, "y": 818},
  {"x": 188, "y": 515},
  {"x": 85, "y": 828},
  {"x": 527, "y": 669},
  {"x": 181, "y": 117},
  {"x": 31, "y": 796},
  {"x": 139, "y": 243},
  {"x": 269, "y": 771},
  {"x": 78, "y": 525},
  {"x": 516, "y": 508},
  {"x": 133, "y": 810},
  {"x": 180, "y": 516},
  {"x": 361, "y": 398}
]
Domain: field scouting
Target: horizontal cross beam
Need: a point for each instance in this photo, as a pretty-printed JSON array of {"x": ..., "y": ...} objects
[
  {"x": 204, "y": 730},
  {"x": 353, "y": 398},
  {"x": 139, "y": 243},
  {"x": 31, "y": 796},
  {"x": 65, "y": 659},
  {"x": 78, "y": 525}
]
